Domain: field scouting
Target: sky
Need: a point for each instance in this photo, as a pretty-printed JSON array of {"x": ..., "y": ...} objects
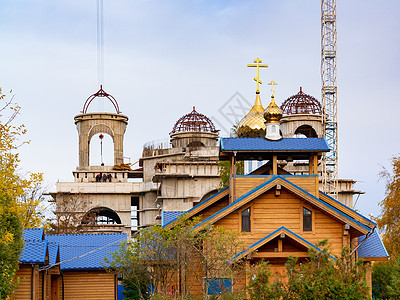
[{"x": 164, "y": 57}]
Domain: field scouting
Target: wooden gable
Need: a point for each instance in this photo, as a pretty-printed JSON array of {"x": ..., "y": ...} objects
[{"x": 269, "y": 187}]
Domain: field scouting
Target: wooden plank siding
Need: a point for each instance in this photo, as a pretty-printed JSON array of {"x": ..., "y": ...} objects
[
  {"x": 269, "y": 212},
  {"x": 23, "y": 291},
  {"x": 247, "y": 183},
  {"x": 87, "y": 285}
]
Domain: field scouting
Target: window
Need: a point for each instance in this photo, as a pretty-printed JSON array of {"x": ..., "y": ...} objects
[
  {"x": 246, "y": 220},
  {"x": 217, "y": 286},
  {"x": 134, "y": 213},
  {"x": 307, "y": 219}
]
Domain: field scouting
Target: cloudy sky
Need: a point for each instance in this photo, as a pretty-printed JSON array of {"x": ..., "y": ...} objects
[{"x": 163, "y": 57}]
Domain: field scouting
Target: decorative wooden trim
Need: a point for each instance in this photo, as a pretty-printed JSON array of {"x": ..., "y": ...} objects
[
  {"x": 279, "y": 254},
  {"x": 346, "y": 210},
  {"x": 374, "y": 258},
  {"x": 200, "y": 207},
  {"x": 264, "y": 187}
]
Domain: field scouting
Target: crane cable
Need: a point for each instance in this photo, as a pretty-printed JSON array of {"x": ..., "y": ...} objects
[{"x": 100, "y": 42}]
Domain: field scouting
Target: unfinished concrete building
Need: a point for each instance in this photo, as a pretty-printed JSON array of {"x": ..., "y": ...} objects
[
  {"x": 186, "y": 169},
  {"x": 173, "y": 177}
]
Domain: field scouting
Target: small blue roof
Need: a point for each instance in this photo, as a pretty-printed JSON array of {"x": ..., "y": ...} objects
[
  {"x": 53, "y": 252},
  {"x": 170, "y": 216},
  {"x": 86, "y": 251},
  {"x": 284, "y": 145},
  {"x": 33, "y": 234},
  {"x": 373, "y": 246},
  {"x": 34, "y": 252}
]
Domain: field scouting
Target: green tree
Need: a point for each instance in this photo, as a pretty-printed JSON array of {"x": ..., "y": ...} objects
[
  {"x": 157, "y": 257},
  {"x": 386, "y": 280},
  {"x": 261, "y": 285},
  {"x": 321, "y": 277},
  {"x": 14, "y": 191},
  {"x": 389, "y": 220}
]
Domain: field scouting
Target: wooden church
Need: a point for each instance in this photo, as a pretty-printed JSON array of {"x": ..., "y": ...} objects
[{"x": 282, "y": 214}]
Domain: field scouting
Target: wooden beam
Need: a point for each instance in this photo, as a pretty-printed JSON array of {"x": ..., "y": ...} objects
[
  {"x": 280, "y": 245},
  {"x": 275, "y": 165},
  {"x": 310, "y": 165},
  {"x": 315, "y": 163},
  {"x": 279, "y": 254}
]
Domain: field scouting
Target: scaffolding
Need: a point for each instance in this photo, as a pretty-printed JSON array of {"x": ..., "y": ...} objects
[{"x": 329, "y": 95}]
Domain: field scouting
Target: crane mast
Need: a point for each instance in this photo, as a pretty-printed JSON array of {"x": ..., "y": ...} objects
[{"x": 329, "y": 96}]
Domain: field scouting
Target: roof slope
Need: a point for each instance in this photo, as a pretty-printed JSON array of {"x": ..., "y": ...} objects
[
  {"x": 274, "y": 234},
  {"x": 33, "y": 234},
  {"x": 86, "y": 251},
  {"x": 277, "y": 179},
  {"x": 264, "y": 145},
  {"x": 34, "y": 252},
  {"x": 373, "y": 247}
]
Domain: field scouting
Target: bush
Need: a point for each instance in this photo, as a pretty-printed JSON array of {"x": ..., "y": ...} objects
[{"x": 386, "y": 280}]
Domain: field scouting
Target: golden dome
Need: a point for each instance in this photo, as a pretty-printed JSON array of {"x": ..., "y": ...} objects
[
  {"x": 253, "y": 124},
  {"x": 273, "y": 113}
]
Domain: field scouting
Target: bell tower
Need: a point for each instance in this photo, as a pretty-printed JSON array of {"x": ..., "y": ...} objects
[{"x": 89, "y": 124}]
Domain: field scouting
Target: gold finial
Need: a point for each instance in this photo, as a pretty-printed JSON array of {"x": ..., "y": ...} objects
[
  {"x": 258, "y": 66},
  {"x": 272, "y": 83}
]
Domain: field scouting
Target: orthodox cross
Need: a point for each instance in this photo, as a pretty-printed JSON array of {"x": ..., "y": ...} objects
[
  {"x": 258, "y": 66},
  {"x": 272, "y": 83}
]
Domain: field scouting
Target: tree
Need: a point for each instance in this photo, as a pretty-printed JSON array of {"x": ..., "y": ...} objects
[
  {"x": 260, "y": 285},
  {"x": 169, "y": 260},
  {"x": 14, "y": 189},
  {"x": 389, "y": 220},
  {"x": 70, "y": 212},
  {"x": 386, "y": 280},
  {"x": 321, "y": 277}
]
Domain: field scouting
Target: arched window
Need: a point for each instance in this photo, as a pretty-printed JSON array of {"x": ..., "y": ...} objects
[
  {"x": 306, "y": 130},
  {"x": 101, "y": 215}
]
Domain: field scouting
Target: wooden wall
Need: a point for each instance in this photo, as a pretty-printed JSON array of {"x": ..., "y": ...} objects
[
  {"x": 269, "y": 212},
  {"x": 87, "y": 285},
  {"x": 246, "y": 184},
  {"x": 23, "y": 291}
]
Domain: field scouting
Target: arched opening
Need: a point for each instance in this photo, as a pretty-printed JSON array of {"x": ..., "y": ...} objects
[
  {"x": 195, "y": 144},
  {"x": 101, "y": 150},
  {"x": 305, "y": 130},
  {"x": 101, "y": 216}
]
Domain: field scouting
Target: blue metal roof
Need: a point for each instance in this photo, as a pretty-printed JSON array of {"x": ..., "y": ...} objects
[
  {"x": 285, "y": 144},
  {"x": 86, "y": 251},
  {"x": 53, "y": 252},
  {"x": 373, "y": 246},
  {"x": 170, "y": 216},
  {"x": 197, "y": 206},
  {"x": 33, "y": 234},
  {"x": 34, "y": 252}
]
